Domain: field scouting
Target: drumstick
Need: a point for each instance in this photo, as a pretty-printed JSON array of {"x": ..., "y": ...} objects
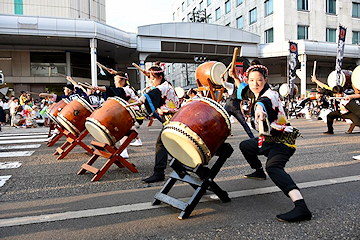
[
  {"x": 331, "y": 98},
  {"x": 236, "y": 52},
  {"x": 314, "y": 69},
  {"x": 102, "y": 66},
  {"x": 140, "y": 69},
  {"x": 62, "y": 75},
  {"x": 133, "y": 104},
  {"x": 223, "y": 74},
  {"x": 84, "y": 85}
]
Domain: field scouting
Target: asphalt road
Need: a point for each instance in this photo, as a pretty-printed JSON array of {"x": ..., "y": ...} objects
[{"x": 46, "y": 199}]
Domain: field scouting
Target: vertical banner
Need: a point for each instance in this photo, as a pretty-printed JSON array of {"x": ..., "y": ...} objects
[
  {"x": 340, "y": 53},
  {"x": 239, "y": 68},
  {"x": 293, "y": 62}
]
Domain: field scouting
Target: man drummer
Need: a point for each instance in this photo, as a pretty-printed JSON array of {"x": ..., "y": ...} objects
[
  {"x": 71, "y": 92},
  {"x": 278, "y": 143},
  {"x": 165, "y": 102}
]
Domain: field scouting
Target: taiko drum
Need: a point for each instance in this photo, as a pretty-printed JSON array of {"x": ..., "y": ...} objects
[
  {"x": 210, "y": 71},
  {"x": 284, "y": 90},
  {"x": 111, "y": 122},
  {"x": 196, "y": 131},
  {"x": 55, "y": 108},
  {"x": 73, "y": 115},
  {"x": 345, "y": 78}
]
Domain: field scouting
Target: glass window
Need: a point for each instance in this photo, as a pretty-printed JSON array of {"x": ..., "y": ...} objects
[
  {"x": 227, "y": 6},
  {"x": 183, "y": 20},
  {"x": 209, "y": 19},
  {"x": 331, "y": 6},
  {"x": 18, "y": 7},
  {"x": 173, "y": 16},
  {"x": 189, "y": 16},
  {"x": 269, "y": 9},
  {"x": 356, "y": 9},
  {"x": 302, "y": 4},
  {"x": 239, "y": 22},
  {"x": 183, "y": 6},
  {"x": 330, "y": 35},
  {"x": 188, "y": 2},
  {"x": 356, "y": 37},
  {"x": 208, "y": 2},
  {"x": 201, "y": 6},
  {"x": 238, "y": 2},
  {"x": 252, "y": 15},
  {"x": 269, "y": 35},
  {"x": 217, "y": 13},
  {"x": 303, "y": 32}
]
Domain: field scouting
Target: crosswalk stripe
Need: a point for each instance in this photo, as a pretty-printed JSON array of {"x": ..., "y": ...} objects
[
  {"x": 9, "y": 165},
  {"x": 24, "y": 141},
  {"x": 148, "y": 206},
  {"x": 24, "y": 137},
  {"x": 3, "y": 179},
  {"x": 20, "y": 147},
  {"x": 23, "y": 133},
  {"x": 16, "y": 154}
]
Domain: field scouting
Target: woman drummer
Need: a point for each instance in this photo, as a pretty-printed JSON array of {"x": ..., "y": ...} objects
[
  {"x": 165, "y": 102},
  {"x": 278, "y": 146}
]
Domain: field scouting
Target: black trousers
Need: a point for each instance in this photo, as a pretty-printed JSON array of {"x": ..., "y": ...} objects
[
  {"x": 277, "y": 156},
  {"x": 232, "y": 106},
  {"x": 336, "y": 114},
  {"x": 161, "y": 157}
]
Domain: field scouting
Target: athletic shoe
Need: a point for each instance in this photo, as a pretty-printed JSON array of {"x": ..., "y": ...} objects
[
  {"x": 153, "y": 178},
  {"x": 259, "y": 174},
  {"x": 136, "y": 143}
]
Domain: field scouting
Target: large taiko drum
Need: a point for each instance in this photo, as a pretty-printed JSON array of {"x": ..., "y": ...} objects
[
  {"x": 180, "y": 92},
  {"x": 55, "y": 108},
  {"x": 284, "y": 90},
  {"x": 72, "y": 117},
  {"x": 111, "y": 122},
  {"x": 355, "y": 77},
  {"x": 210, "y": 71},
  {"x": 345, "y": 78},
  {"x": 196, "y": 131}
]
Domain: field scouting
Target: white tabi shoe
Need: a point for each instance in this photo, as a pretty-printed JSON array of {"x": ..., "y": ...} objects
[
  {"x": 136, "y": 143},
  {"x": 125, "y": 153}
]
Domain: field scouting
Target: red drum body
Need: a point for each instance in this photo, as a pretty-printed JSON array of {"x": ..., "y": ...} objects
[
  {"x": 210, "y": 71},
  {"x": 111, "y": 122},
  {"x": 55, "y": 108},
  {"x": 345, "y": 78},
  {"x": 73, "y": 115},
  {"x": 313, "y": 95},
  {"x": 196, "y": 131}
]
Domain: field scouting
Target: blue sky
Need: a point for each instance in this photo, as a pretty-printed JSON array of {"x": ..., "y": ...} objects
[{"x": 127, "y": 15}]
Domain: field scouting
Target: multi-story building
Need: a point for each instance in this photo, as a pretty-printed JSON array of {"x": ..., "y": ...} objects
[
  {"x": 311, "y": 23},
  {"x": 90, "y": 9}
]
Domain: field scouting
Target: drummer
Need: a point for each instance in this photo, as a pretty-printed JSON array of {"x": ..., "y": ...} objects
[
  {"x": 165, "y": 102},
  {"x": 278, "y": 144},
  {"x": 71, "y": 92},
  {"x": 232, "y": 105}
]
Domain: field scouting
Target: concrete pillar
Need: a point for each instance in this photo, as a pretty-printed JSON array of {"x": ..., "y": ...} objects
[
  {"x": 142, "y": 58},
  {"x": 93, "y": 46},
  {"x": 303, "y": 60},
  {"x": 68, "y": 64}
]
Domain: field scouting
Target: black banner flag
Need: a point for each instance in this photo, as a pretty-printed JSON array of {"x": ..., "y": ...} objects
[
  {"x": 293, "y": 62},
  {"x": 340, "y": 53}
]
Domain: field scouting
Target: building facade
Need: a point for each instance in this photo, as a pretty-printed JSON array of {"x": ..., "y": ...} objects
[
  {"x": 308, "y": 22},
  {"x": 86, "y": 9}
]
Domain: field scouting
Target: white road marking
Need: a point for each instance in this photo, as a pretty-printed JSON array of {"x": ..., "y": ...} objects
[
  {"x": 147, "y": 205},
  {"x": 24, "y": 133},
  {"x": 24, "y": 141},
  {"x": 3, "y": 179},
  {"x": 24, "y": 137},
  {"x": 20, "y": 147},
  {"x": 9, "y": 165},
  {"x": 16, "y": 154}
]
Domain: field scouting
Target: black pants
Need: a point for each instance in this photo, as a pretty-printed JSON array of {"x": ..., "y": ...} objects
[
  {"x": 336, "y": 114},
  {"x": 232, "y": 106},
  {"x": 161, "y": 158},
  {"x": 277, "y": 156}
]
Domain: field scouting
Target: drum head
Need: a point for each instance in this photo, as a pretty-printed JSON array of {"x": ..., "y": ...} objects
[
  {"x": 180, "y": 92},
  {"x": 181, "y": 148},
  {"x": 284, "y": 90},
  {"x": 355, "y": 78},
  {"x": 331, "y": 80},
  {"x": 86, "y": 105},
  {"x": 67, "y": 125},
  {"x": 216, "y": 70},
  {"x": 97, "y": 132}
]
